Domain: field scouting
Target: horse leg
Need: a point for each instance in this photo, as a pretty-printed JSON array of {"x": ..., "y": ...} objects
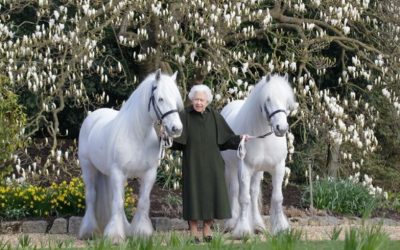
[
  {"x": 242, "y": 226},
  {"x": 279, "y": 221},
  {"x": 256, "y": 201},
  {"x": 89, "y": 226},
  {"x": 115, "y": 230},
  {"x": 141, "y": 223},
  {"x": 231, "y": 177}
]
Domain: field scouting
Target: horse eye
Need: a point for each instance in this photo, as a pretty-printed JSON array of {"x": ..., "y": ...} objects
[{"x": 160, "y": 99}]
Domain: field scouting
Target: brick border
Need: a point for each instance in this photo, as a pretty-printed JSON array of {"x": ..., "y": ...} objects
[{"x": 71, "y": 225}]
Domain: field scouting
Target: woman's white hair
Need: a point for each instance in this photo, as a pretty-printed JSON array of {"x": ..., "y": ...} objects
[{"x": 200, "y": 88}]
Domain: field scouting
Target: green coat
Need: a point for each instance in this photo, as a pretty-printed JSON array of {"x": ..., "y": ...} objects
[{"x": 204, "y": 192}]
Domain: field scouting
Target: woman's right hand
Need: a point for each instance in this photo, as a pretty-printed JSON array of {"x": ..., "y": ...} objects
[{"x": 246, "y": 137}]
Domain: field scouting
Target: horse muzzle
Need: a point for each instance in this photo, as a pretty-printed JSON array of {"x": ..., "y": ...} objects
[
  {"x": 174, "y": 131},
  {"x": 280, "y": 130}
]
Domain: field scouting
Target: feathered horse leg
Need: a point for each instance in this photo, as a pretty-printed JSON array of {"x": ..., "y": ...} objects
[
  {"x": 89, "y": 226},
  {"x": 231, "y": 177},
  {"x": 256, "y": 201},
  {"x": 115, "y": 229},
  {"x": 141, "y": 223},
  {"x": 243, "y": 226},
  {"x": 279, "y": 221}
]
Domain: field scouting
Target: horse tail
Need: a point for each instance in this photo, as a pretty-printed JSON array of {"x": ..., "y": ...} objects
[{"x": 103, "y": 200}]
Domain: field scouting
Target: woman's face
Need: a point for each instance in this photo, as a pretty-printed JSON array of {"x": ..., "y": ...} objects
[{"x": 199, "y": 101}]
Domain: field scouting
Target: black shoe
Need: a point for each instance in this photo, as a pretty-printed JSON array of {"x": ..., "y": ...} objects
[{"x": 208, "y": 238}]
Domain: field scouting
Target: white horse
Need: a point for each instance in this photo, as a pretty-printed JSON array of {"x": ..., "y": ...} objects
[
  {"x": 115, "y": 145},
  {"x": 263, "y": 114}
]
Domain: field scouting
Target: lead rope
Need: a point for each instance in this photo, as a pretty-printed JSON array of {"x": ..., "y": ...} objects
[
  {"x": 241, "y": 151},
  {"x": 165, "y": 142}
]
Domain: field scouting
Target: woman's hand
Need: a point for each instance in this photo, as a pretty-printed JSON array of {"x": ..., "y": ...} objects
[{"x": 246, "y": 137}]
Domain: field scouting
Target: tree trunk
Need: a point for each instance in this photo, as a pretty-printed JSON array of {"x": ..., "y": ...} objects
[{"x": 333, "y": 159}]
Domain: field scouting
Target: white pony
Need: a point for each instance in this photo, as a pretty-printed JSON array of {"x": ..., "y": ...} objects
[
  {"x": 115, "y": 145},
  {"x": 263, "y": 114}
]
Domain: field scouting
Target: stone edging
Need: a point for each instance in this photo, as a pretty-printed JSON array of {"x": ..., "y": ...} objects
[{"x": 71, "y": 225}]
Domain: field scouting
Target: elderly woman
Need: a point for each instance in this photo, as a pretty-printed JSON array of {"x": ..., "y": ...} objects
[{"x": 205, "y": 134}]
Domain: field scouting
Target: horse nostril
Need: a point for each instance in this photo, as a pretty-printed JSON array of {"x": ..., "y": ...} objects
[
  {"x": 277, "y": 127},
  {"x": 176, "y": 129}
]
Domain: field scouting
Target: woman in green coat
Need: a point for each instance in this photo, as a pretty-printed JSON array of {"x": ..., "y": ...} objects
[{"x": 205, "y": 134}]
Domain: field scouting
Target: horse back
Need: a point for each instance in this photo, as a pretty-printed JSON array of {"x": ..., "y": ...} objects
[
  {"x": 99, "y": 117},
  {"x": 230, "y": 111}
]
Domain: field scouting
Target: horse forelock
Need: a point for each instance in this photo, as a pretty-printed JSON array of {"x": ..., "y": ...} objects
[
  {"x": 276, "y": 88},
  {"x": 166, "y": 85},
  {"x": 169, "y": 88}
]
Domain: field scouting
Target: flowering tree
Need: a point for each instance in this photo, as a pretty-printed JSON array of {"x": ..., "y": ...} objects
[{"x": 342, "y": 57}]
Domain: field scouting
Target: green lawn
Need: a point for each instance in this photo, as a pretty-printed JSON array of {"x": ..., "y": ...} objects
[
  {"x": 300, "y": 245},
  {"x": 368, "y": 238}
]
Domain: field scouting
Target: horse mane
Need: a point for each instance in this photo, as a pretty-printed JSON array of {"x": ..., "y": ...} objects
[
  {"x": 143, "y": 92},
  {"x": 277, "y": 87},
  {"x": 250, "y": 113}
]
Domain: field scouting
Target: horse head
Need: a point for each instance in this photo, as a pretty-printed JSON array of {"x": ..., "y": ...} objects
[
  {"x": 277, "y": 103},
  {"x": 166, "y": 102}
]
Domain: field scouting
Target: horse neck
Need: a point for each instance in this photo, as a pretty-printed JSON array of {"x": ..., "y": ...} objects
[
  {"x": 252, "y": 118},
  {"x": 135, "y": 113}
]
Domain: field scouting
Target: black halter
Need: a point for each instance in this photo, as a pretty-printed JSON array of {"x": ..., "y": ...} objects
[
  {"x": 269, "y": 118},
  {"x": 159, "y": 114},
  {"x": 273, "y": 113}
]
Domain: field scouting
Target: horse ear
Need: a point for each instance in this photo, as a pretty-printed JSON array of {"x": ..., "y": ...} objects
[
  {"x": 267, "y": 77},
  {"x": 158, "y": 74},
  {"x": 175, "y": 75},
  {"x": 286, "y": 76}
]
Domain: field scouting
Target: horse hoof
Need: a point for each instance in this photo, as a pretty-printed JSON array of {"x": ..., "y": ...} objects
[
  {"x": 241, "y": 232},
  {"x": 115, "y": 240},
  {"x": 229, "y": 225},
  {"x": 258, "y": 229},
  {"x": 86, "y": 236}
]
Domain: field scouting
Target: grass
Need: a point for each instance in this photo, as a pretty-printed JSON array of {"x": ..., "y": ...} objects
[{"x": 363, "y": 238}]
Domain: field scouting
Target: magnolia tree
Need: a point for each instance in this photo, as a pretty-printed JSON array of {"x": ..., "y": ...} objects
[{"x": 342, "y": 58}]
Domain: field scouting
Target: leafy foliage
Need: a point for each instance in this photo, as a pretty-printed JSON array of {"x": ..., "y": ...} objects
[
  {"x": 12, "y": 121},
  {"x": 343, "y": 197},
  {"x": 170, "y": 174},
  {"x": 64, "y": 199}
]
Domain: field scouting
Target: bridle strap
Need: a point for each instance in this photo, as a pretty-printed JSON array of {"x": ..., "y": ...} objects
[
  {"x": 276, "y": 112},
  {"x": 269, "y": 118},
  {"x": 265, "y": 135},
  {"x": 168, "y": 113},
  {"x": 159, "y": 114}
]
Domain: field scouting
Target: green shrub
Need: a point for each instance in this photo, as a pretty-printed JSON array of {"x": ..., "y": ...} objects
[
  {"x": 12, "y": 120},
  {"x": 347, "y": 197},
  {"x": 393, "y": 202},
  {"x": 169, "y": 175},
  {"x": 64, "y": 199}
]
